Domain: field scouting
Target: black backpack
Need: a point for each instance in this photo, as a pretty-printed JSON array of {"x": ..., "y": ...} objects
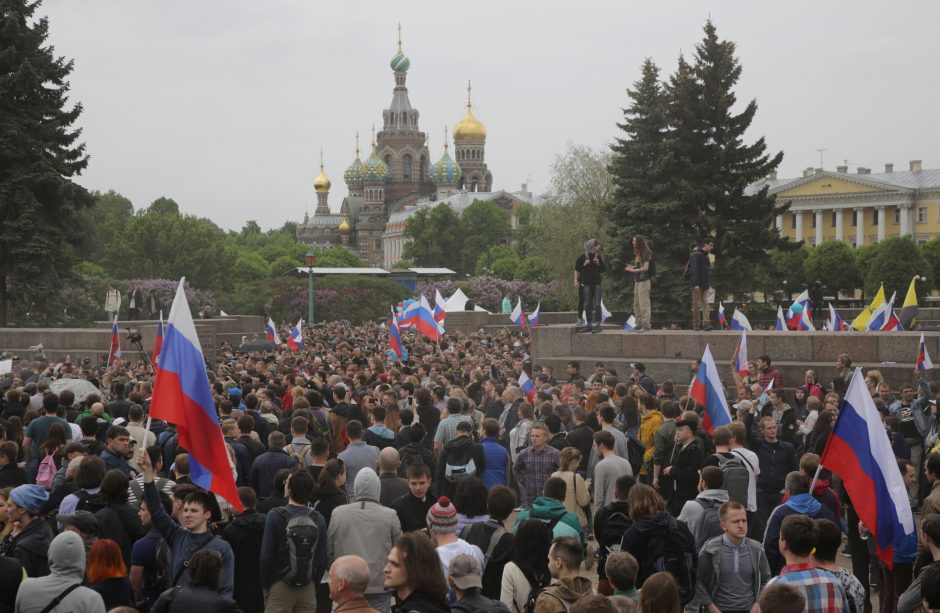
[
  {"x": 736, "y": 477},
  {"x": 671, "y": 552},
  {"x": 160, "y": 579},
  {"x": 495, "y": 606},
  {"x": 615, "y": 527},
  {"x": 459, "y": 463},
  {"x": 709, "y": 525},
  {"x": 635, "y": 452},
  {"x": 90, "y": 502},
  {"x": 297, "y": 550}
]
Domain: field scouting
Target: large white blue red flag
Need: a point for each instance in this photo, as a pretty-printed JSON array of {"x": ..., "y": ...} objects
[
  {"x": 518, "y": 315},
  {"x": 780, "y": 323},
  {"x": 182, "y": 396},
  {"x": 722, "y": 320},
  {"x": 409, "y": 316},
  {"x": 859, "y": 452},
  {"x": 923, "y": 358},
  {"x": 740, "y": 355},
  {"x": 528, "y": 388},
  {"x": 836, "y": 323},
  {"x": 739, "y": 321},
  {"x": 439, "y": 313},
  {"x": 424, "y": 322},
  {"x": 794, "y": 314},
  {"x": 270, "y": 332},
  {"x": 114, "y": 351},
  {"x": 158, "y": 344},
  {"x": 806, "y": 324},
  {"x": 296, "y": 339},
  {"x": 534, "y": 317},
  {"x": 708, "y": 391},
  {"x": 394, "y": 336}
]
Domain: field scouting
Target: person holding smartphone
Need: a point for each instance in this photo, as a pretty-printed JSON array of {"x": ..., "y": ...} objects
[{"x": 588, "y": 269}]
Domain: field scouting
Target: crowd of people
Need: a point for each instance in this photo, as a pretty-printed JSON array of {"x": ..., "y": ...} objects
[{"x": 439, "y": 485}]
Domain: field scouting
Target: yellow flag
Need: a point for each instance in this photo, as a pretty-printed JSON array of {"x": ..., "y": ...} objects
[
  {"x": 909, "y": 308},
  {"x": 861, "y": 322}
]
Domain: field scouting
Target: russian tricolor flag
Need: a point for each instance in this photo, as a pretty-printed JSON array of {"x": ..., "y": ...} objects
[
  {"x": 722, "y": 321},
  {"x": 534, "y": 320},
  {"x": 836, "y": 323},
  {"x": 739, "y": 321},
  {"x": 708, "y": 391},
  {"x": 793, "y": 318},
  {"x": 518, "y": 315},
  {"x": 439, "y": 313},
  {"x": 394, "y": 336},
  {"x": 409, "y": 316},
  {"x": 892, "y": 322},
  {"x": 806, "y": 324},
  {"x": 182, "y": 396},
  {"x": 740, "y": 355},
  {"x": 158, "y": 344},
  {"x": 114, "y": 351},
  {"x": 630, "y": 324},
  {"x": 880, "y": 316},
  {"x": 923, "y": 359},
  {"x": 296, "y": 339},
  {"x": 780, "y": 323},
  {"x": 270, "y": 332},
  {"x": 527, "y": 386},
  {"x": 860, "y": 453},
  {"x": 424, "y": 321}
]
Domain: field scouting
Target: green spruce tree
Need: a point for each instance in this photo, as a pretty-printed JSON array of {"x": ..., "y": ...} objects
[
  {"x": 40, "y": 153},
  {"x": 643, "y": 169},
  {"x": 717, "y": 170}
]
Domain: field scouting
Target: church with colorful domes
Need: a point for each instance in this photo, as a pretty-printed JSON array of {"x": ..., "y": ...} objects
[{"x": 398, "y": 176}]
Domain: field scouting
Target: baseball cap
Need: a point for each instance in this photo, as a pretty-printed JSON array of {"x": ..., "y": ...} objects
[
  {"x": 465, "y": 572},
  {"x": 744, "y": 404},
  {"x": 83, "y": 520},
  {"x": 640, "y": 366}
]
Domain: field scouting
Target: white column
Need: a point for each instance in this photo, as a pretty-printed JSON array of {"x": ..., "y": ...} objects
[
  {"x": 840, "y": 230},
  {"x": 882, "y": 226},
  {"x": 905, "y": 220},
  {"x": 859, "y": 227},
  {"x": 819, "y": 226},
  {"x": 778, "y": 223},
  {"x": 798, "y": 216}
]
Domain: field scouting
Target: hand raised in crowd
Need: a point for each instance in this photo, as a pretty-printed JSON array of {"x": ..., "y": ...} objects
[{"x": 143, "y": 460}]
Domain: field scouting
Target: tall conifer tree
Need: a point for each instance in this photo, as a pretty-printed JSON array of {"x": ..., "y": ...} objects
[{"x": 39, "y": 154}]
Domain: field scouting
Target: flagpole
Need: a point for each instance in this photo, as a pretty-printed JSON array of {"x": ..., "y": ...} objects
[{"x": 812, "y": 485}]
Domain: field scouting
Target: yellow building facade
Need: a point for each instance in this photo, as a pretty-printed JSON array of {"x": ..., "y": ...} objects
[{"x": 859, "y": 208}]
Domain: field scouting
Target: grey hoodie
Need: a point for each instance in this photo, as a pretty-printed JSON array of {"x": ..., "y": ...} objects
[
  {"x": 364, "y": 528},
  {"x": 67, "y": 567},
  {"x": 692, "y": 512}
]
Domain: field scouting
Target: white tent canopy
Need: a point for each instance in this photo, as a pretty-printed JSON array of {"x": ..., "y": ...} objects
[{"x": 458, "y": 302}]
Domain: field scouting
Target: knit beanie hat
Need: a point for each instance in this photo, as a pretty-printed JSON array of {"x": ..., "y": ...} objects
[
  {"x": 442, "y": 517},
  {"x": 30, "y": 497}
]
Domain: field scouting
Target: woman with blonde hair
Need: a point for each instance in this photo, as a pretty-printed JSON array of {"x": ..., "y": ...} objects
[{"x": 576, "y": 493}]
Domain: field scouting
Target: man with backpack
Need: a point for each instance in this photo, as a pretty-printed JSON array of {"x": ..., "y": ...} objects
[
  {"x": 150, "y": 559},
  {"x": 266, "y": 465},
  {"x": 192, "y": 535},
  {"x": 568, "y": 585},
  {"x": 697, "y": 271},
  {"x": 493, "y": 539},
  {"x": 293, "y": 549},
  {"x": 610, "y": 524},
  {"x": 460, "y": 459},
  {"x": 799, "y": 502},
  {"x": 732, "y": 569},
  {"x": 736, "y": 468},
  {"x": 701, "y": 514}
]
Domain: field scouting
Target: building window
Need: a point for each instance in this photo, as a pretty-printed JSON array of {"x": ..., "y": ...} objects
[
  {"x": 812, "y": 223},
  {"x": 833, "y": 222},
  {"x": 793, "y": 221},
  {"x": 922, "y": 214},
  {"x": 855, "y": 217},
  {"x": 874, "y": 216},
  {"x": 897, "y": 215},
  {"x": 407, "y": 166}
]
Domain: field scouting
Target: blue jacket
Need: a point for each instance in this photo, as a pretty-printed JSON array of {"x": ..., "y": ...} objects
[
  {"x": 261, "y": 476},
  {"x": 496, "y": 462},
  {"x": 801, "y": 504},
  {"x": 274, "y": 527}
]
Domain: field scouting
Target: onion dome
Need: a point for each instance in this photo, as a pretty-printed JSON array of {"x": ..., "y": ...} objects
[
  {"x": 353, "y": 174},
  {"x": 344, "y": 226},
  {"x": 469, "y": 128},
  {"x": 400, "y": 61},
  {"x": 446, "y": 171},
  {"x": 374, "y": 169},
  {"x": 321, "y": 184}
]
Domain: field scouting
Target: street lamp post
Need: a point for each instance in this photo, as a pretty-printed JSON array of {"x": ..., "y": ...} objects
[{"x": 311, "y": 261}]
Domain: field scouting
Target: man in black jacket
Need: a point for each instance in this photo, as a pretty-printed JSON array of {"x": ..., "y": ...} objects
[
  {"x": 686, "y": 465},
  {"x": 699, "y": 270},
  {"x": 412, "y": 508},
  {"x": 244, "y": 534},
  {"x": 776, "y": 459},
  {"x": 457, "y": 455},
  {"x": 610, "y": 524},
  {"x": 588, "y": 269},
  {"x": 581, "y": 437}
]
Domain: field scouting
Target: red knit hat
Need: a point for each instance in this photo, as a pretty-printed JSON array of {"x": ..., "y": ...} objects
[{"x": 442, "y": 517}]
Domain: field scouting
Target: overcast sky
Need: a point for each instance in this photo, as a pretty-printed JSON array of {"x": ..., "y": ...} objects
[{"x": 224, "y": 105}]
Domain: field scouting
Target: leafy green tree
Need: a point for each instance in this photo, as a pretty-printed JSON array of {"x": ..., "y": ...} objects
[
  {"x": 283, "y": 265},
  {"x": 290, "y": 228},
  {"x": 574, "y": 210},
  {"x": 897, "y": 261},
  {"x": 864, "y": 256},
  {"x": 434, "y": 238},
  {"x": 249, "y": 266},
  {"x": 40, "y": 154},
  {"x": 931, "y": 253},
  {"x": 832, "y": 263},
  {"x": 250, "y": 228},
  {"x": 786, "y": 275},
  {"x": 338, "y": 257},
  {"x": 535, "y": 269},
  {"x": 500, "y": 261},
  {"x": 164, "y": 206},
  {"x": 483, "y": 225},
  {"x": 715, "y": 165},
  {"x": 102, "y": 226},
  {"x": 643, "y": 204}
]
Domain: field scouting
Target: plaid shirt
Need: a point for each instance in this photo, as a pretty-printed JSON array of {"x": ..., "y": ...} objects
[
  {"x": 823, "y": 590},
  {"x": 532, "y": 469}
]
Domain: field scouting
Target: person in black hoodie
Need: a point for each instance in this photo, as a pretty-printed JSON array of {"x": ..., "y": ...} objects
[
  {"x": 331, "y": 489},
  {"x": 277, "y": 498},
  {"x": 428, "y": 415},
  {"x": 202, "y": 592},
  {"x": 31, "y": 545},
  {"x": 581, "y": 437},
  {"x": 783, "y": 414},
  {"x": 559, "y": 438},
  {"x": 417, "y": 451},
  {"x": 118, "y": 520},
  {"x": 686, "y": 464},
  {"x": 244, "y": 534},
  {"x": 610, "y": 524},
  {"x": 414, "y": 574},
  {"x": 458, "y": 452}
]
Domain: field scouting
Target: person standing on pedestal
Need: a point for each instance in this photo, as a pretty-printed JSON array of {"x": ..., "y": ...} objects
[{"x": 641, "y": 269}]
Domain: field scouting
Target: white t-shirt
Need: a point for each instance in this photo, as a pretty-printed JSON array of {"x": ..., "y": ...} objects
[
  {"x": 451, "y": 550},
  {"x": 753, "y": 467}
]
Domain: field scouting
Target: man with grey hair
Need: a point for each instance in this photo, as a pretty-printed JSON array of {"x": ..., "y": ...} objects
[
  {"x": 348, "y": 579},
  {"x": 261, "y": 476},
  {"x": 798, "y": 501},
  {"x": 393, "y": 486}
]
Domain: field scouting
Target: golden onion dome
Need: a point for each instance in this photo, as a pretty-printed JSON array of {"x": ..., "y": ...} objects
[
  {"x": 469, "y": 128},
  {"x": 344, "y": 226},
  {"x": 322, "y": 183}
]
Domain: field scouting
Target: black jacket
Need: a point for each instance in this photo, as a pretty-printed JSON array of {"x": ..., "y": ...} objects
[
  {"x": 325, "y": 500},
  {"x": 412, "y": 452},
  {"x": 582, "y": 438},
  {"x": 422, "y": 603},
  {"x": 775, "y": 459},
  {"x": 786, "y": 430},
  {"x": 244, "y": 534},
  {"x": 429, "y": 416},
  {"x": 31, "y": 547},
  {"x": 188, "y": 599},
  {"x": 685, "y": 475},
  {"x": 120, "y": 523},
  {"x": 12, "y": 475},
  {"x": 457, "y": 445},
  {"x": 560, "y": 441},
  {"x": 699, "y": 269},
  {"x": 412, "y": 513}
]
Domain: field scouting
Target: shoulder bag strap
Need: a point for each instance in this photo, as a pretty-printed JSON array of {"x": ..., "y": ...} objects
[
  {"x": 185, "y": 564},
  {"x": 55, "y": 601}
]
